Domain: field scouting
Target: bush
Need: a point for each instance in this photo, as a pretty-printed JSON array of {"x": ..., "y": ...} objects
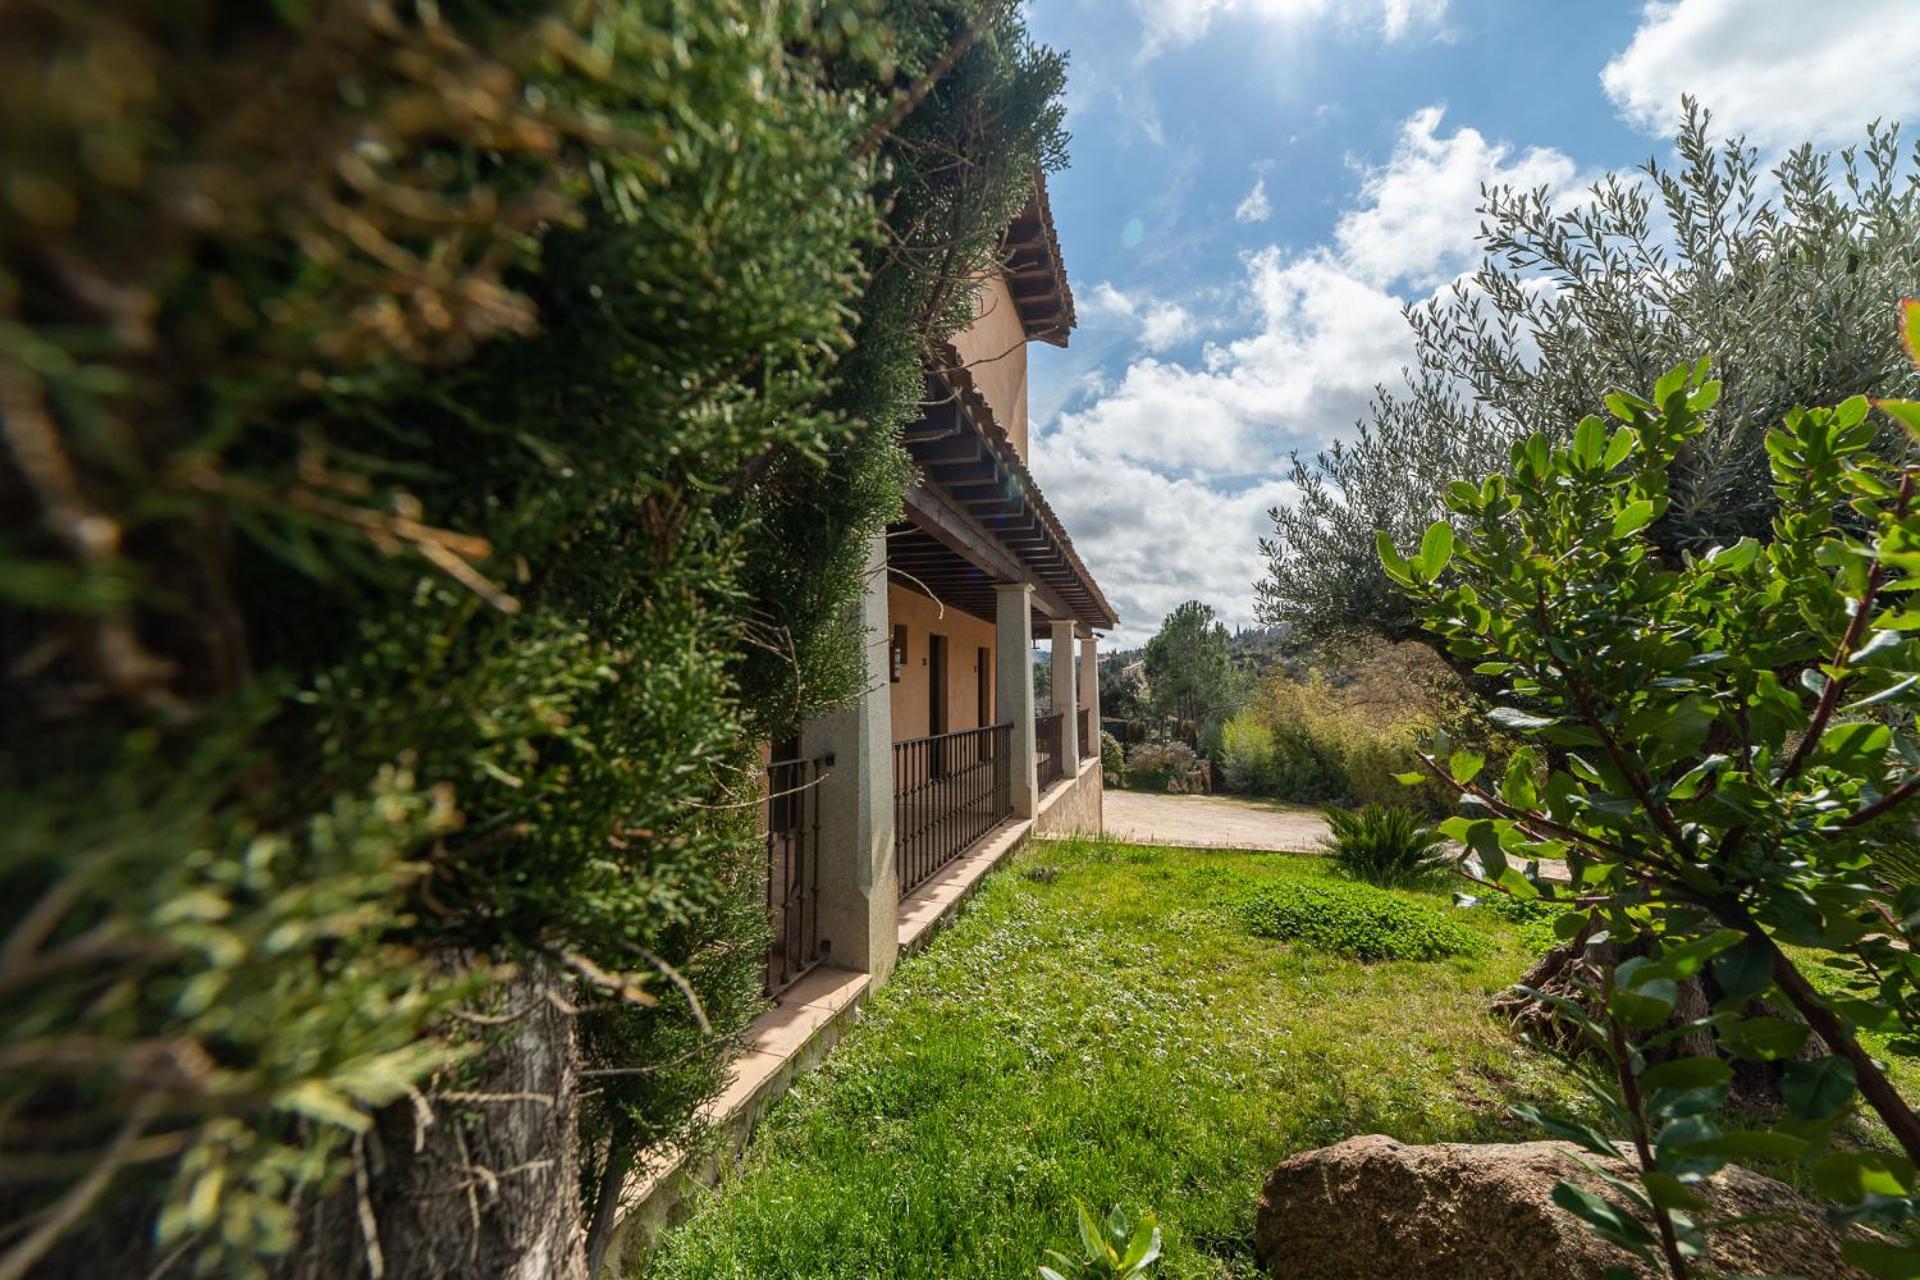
[
  {"x": 1354, "y": 920},
  {"x": 1342, "y": 730},
  {"x": 1246, "y": 754},
  {"x": 1113, "y": 760},
  {"x": 1385, "y": 844},
  {"x": 1166, "y": 765}
]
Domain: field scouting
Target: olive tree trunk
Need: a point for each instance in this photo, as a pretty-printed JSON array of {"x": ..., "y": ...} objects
[{"x": 482, "y": 1181}]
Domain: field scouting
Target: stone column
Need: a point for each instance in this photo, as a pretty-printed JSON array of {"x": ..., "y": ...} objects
[
  {"x": 1013, "y": 687},
  {"x": 1090, "y": 689},
  {"x": 1065, "y": 697},
  {"x": 859, "y": 889}
]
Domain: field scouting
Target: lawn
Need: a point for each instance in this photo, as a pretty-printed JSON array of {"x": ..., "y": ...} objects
[{"x": 1101, "y": 1024}]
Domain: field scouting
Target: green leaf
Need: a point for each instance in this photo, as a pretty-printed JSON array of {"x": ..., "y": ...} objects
[
  {"x": 1849, "y": 1177},
  {"x": 1645, "y": 1007},
  {"x": 1392, "y": 561},
  {"x": 1818, "y": 1089},
  {"x": 1687, "y": 1074},
  {"x": 1855, "y": 746},
  {"x": 1412, "y": 778},
  {"x": 1904, "y": 412},
  {"x": 1669, "y": 1192},
  {"x": 1519, "y": 721},
  {"x": 1619, "y": 447},
  {"x": 1885, "y": 1261},
  {"x": 1878, "y": 644},
  {"x": 1609, "y": 1220},
  {"x": 1436, "y": 549},
  {"x": 1465, "y": 766},
  {"x": 1091, "y": 1237},
  {"x": 1568, "y": 1130},
  {"x": 1743, "y": 972},
  {"x": 1765, "y": 1039},
  {"x": 1765, "y": 1144},
  {"x": 1632, "y": 518},
  {"x": 1589, "y": 441},
  {"x": 1683, "y": 958}
]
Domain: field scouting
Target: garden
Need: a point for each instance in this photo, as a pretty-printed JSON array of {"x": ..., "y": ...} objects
[{"x": 1119, "y": 1024}]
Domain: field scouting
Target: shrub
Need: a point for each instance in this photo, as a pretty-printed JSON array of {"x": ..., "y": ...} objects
[
  {"x": 487, "y": 495},
  {"x": 1342, "y": 731},
  {"x": 1354, "y": 920},
  {"x": 1113, "y": 760},
  {"x": 1385, "y": 844},
  {"x": 1166, "y": 765},
  {"x": 1246, "y": 754},
  {"x": 1726, "y": 744}
]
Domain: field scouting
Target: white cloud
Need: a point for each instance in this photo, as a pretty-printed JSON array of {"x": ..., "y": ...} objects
[
  {"x": 1173, "y": 24},
  {"x": 1325, "y": 338},
  {"x": 1166, "y": 324},
  {"x": 1154, "y": 540},
  {"x": 1165, "y": 474},
  {"x": 1418, "y": 211},
  {"x": 1256, "y": 207},
  {"x": 1161, "y": 324},
  {"x": 1780, "y": 71}
]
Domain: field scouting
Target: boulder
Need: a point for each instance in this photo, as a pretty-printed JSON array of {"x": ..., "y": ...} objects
[{"x": 1371, "y": 1207}]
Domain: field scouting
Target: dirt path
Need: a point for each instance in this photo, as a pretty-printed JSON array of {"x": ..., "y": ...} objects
[{"x": 1213, "y": 822}]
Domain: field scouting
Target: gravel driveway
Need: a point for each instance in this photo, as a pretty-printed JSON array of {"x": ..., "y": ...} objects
[{"x": 1212, "y": 822}]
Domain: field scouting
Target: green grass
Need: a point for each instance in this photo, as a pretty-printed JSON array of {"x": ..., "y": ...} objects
[{"x": 1113, "y": 1032}]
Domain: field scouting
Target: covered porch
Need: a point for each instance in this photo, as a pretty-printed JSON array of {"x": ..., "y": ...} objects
[{"x": 950, "y": 749}]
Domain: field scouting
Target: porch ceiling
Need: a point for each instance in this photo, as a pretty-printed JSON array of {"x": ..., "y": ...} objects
[{"x": 979, "y": 502}]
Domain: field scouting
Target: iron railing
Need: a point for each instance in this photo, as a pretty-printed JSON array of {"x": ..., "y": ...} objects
[
  {"x": 948, "y": 791},
  {"x": 793, "y": 868},
  {"x": 1046, "y": 750},
  {"x": 1088, "y": 747}
]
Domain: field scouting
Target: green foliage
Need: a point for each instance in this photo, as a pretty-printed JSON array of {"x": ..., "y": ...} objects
[
  {"x": 1113, "y": 759},
  {"x": 1730, "y": 730},
  {"x": 1117, "y": 1249},
  {"x": 1385, "y": 845},
  {"x": 1783, "y": 277},
  {"x": 1355, "y": 920},
  {"x": 1123, "y": 688},
  {"x": 1344, "y": 729},
  {"x": 1165, "y": 764},
  {"x": 451, "y": 437},
  {"x": 1193, "y": 681}
]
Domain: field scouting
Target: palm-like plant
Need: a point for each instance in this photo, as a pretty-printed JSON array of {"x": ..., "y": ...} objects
[{"x": 1385, "y": 844}]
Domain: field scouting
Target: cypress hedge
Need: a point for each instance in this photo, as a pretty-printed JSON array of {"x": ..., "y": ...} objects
[{"x": 441, "y": 443}]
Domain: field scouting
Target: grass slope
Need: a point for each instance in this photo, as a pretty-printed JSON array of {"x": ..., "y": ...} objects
[{"x": 1111, "y": 1032}]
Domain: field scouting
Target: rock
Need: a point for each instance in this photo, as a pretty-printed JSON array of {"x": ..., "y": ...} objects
[{"x": 1371, "y": 1207}]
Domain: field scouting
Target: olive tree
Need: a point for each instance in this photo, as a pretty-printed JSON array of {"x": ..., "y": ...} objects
[{"x": 1781, "y": 276}]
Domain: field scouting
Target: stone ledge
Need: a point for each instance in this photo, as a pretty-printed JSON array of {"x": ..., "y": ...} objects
[
  {"x": 791, "y": 1038},
  {"x": 934, "y": 904}
]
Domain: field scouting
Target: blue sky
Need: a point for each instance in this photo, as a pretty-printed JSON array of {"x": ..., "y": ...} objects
[{"x": 1258, "y": 186}]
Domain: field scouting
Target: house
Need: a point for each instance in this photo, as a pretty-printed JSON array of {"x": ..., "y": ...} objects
[
  {"x": 947, "y": 752},
  {"x": 883, "y": 815}
]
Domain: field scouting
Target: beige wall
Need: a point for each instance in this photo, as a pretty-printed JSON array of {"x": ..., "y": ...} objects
[
  {"x": 994, "y": 350},
  {"x": 1075, "y": 806},
  {"x": 966, "y": 636}
]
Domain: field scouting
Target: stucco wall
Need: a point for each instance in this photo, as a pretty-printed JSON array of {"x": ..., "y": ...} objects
[
  {"x": 966, "y": 636},
  {"x": 1076, "y": 807},
  {"x": 994, "y": 349}
]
